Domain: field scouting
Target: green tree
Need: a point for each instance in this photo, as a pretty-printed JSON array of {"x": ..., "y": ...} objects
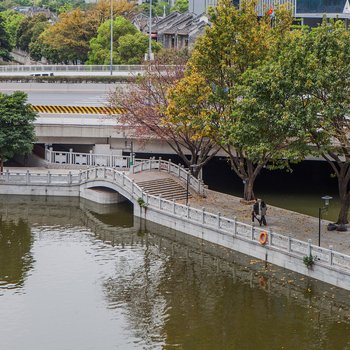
[
  {"x": 180, "y": 6},
  {"x": 132, "y": 48},
  {"x": 16, "y": 126},
  {"x": 5, "y": 46},
  {"x": 314, "y": 73},
  {"x": 236, "y": 41},
  {"x": 12, "y": 20},
  {"x": 29, "y": 30},
  {"x": 100, "y": 45}
]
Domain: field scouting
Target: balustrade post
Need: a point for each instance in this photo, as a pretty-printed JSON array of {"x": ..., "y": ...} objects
[
  {"x": 270, "y": 237},
  {"x": 150, "y": 163},
  {"x": 331, "y": 254},
  {"x": 7, "y": 175},
  {"x": 104, "y": 172},
  {"x": 308, "y": 247},
  {"x": 79, "y": 176},
  {"x": 174, "y": 209},
  {"x": 179, "y": 170},
  {"x": 235, "y": 226},
  {"x": 159, "y": 163},
  {"x": 111, "y": 161},
  {"x": 90, "y": 160},
  {"x": 48, "y": 177},
  {"x": 289, "y": 243},
  {"x": 132, "y": 186},
  {"x": 169, "y": 165},
  {"x": 52, "y": 155},
  {"x": 219, "y": 220},
  {"x": 27, "y": 177},
  {"x": 69, "y": 177},
  {"x": 188, "y": 211},
  {"x": 123, "y": 179},
  {"x": 96, "y": 173},
  {"x": 70, "y": 156},
  {"x": 160, "y": 201},
  {"x": 252, "y": 232},
  {"x": 146, "y": 200},
  {"x": 203, "y": 215}
]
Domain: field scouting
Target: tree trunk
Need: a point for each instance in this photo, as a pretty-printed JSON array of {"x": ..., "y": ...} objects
[
  {"x": 343, "y": 213},
  {"x": 249, "y": 188},
  {"x": 344, "y": 196}
]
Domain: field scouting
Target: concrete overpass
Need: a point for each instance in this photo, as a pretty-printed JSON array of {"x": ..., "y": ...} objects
[{"x": 80, "y": 131}]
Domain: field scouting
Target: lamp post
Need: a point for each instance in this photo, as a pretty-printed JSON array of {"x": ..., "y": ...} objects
[
  {"x": 320, "y": 211},
  {"x": 150, "y": 32},
  {"x": 111, "y": 44},
  {"x": 188, "y": 180}
]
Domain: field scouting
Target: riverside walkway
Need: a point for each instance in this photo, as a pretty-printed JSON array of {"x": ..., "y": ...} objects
[
  {"x": 209, "y": 216},
  {"x": 282, "y": 221}
]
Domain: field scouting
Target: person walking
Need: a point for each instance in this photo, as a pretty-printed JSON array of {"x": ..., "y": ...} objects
[
  {"x": 255, "y": 211},
  {"x": 263, "y": 209}
]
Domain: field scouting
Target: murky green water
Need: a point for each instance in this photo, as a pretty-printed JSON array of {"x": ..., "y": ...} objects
[{"x": 74, "y": 275}]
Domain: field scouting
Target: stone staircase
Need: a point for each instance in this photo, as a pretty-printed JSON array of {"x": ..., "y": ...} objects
[{"x": 167, "y": 188}]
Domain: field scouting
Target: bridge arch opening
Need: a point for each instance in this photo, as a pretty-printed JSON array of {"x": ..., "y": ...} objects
[{"x": 102, "y": 195}]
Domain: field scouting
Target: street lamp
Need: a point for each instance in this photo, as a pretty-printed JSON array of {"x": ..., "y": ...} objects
[
  {"x": 190, "y": 171},
  {"x": 320, "y": 211},
  {"x": 111, "y": 50}
]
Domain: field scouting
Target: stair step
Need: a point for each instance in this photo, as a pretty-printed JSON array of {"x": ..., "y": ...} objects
[{"x": 167, "y": 188}]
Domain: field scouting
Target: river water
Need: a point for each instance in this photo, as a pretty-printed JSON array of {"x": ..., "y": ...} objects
[{"x": 75, "y": 275}]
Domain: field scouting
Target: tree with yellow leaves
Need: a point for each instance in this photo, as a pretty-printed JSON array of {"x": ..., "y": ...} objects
[
  {"x": 68, "y": 39},
  {"x": 236, "y": 41}
]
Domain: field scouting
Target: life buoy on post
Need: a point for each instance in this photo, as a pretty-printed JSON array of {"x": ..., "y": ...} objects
[{"x": 263, "y": 237}]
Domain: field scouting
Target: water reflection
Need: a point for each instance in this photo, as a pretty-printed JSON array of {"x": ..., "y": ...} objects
[
  {"x": 144, "y": 286},
  {"x": 15, "y": 256}
]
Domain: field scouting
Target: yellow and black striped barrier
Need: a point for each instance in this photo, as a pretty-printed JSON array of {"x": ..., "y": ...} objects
[{"x": 77, "y": 109}]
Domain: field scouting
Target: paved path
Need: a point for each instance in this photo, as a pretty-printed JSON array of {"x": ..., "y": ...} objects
[{"x": 279, "y": 220}]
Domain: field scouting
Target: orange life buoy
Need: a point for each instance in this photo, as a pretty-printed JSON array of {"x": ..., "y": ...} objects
[{"x": 263, "y": 237}]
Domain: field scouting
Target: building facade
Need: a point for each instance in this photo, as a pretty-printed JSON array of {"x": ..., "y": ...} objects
[{"x": 310, "y": 11}]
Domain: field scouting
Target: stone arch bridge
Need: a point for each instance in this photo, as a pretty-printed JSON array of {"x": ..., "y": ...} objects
[{"x": 146, "y": 179}]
